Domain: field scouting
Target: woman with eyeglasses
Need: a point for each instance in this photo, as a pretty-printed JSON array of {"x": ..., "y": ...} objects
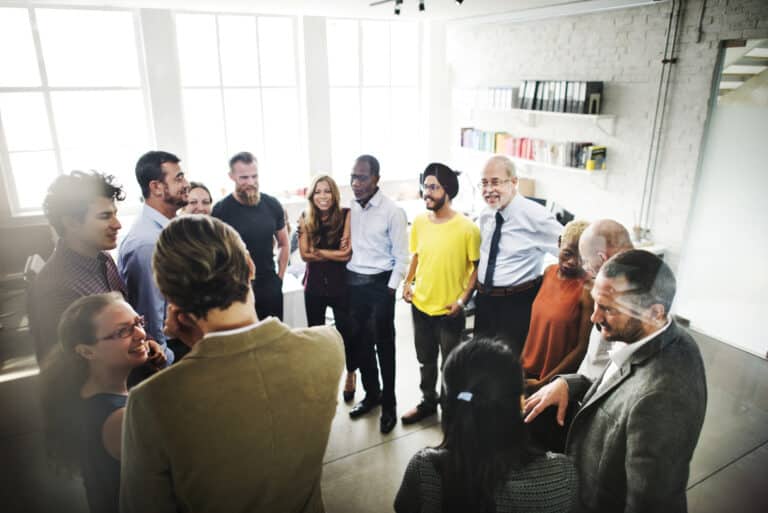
[{"x": 101, "y": 339}]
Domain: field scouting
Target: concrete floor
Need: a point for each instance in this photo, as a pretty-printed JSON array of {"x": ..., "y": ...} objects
[{"x": 363, "y": 468}]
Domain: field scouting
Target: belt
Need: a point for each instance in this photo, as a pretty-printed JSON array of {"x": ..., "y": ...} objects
[
  {"x": 358, "y": 279},
  {"x": 508, "y": 291}
]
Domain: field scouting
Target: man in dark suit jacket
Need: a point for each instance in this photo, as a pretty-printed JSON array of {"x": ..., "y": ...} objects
[{"x": 636, "y": 426}]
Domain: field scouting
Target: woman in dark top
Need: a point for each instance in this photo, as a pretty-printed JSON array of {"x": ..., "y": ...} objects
[
  {"x": 324, "y": 244},
  {"x": 485, "y": 463},
  {"x": 84, "y": 391}
]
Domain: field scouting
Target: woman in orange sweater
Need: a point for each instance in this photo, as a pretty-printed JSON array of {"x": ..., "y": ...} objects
[{"x": 559, "y": 330}]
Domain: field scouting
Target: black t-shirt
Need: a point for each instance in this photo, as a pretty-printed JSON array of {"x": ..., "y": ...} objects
[
  {"x": 256, "y": 225},
  {"x": 101, "y": 472}
]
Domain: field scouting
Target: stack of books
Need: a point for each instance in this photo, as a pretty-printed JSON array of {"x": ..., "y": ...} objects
[
  {"x": 561, "y": 96},
  {"x": 580, "y": 155}
]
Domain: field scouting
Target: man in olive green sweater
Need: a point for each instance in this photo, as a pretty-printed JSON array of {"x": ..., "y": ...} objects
[{"x": 242, "y": 422}]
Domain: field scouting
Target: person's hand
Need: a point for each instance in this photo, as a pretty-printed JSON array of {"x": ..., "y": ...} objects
[
  {"x": 179, "y": 325},
  {"x": 156, "y": 359},
  {"x": 345, "y": 242},
  {"x": 453, "y": 309},
  {"x": 554, "y": 394},
  {"x": 391, "y": 291},
  {"x": 407, "y": 293},
  {"x": 532, "y": 384}
]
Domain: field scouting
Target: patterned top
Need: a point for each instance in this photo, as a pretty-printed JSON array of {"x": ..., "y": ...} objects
[
  {"x": 66, "y": 277},
  {"x": 546, "y": 485}
]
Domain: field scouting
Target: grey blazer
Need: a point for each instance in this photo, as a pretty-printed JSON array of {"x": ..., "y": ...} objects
[{"x": 632, "y": 442}]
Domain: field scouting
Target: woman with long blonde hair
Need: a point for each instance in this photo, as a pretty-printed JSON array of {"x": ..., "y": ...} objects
[
  {"x": 101, "y": 339},
  {"x": 324, "y": 244}
]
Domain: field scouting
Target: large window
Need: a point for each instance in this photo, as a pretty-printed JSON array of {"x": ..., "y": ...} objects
[
  {"x": 71, "y": 97},
  {"x": 373, "y": 71},
  {"x": 239, "y": 88}
]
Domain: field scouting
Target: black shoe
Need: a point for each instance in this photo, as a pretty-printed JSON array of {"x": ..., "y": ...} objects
[
  {"x": 388, "y": 420},
  {"x": 364, "y": 406},
  {"x": 419, "y": 413}
]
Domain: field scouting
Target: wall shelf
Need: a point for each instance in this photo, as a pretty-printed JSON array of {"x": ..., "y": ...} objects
[
  {"x": 605, "y": 122},
  {"x": 535, "y": 163}
]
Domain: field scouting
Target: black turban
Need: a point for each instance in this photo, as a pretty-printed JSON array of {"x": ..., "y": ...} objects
[{"x": 446, "y": 177}]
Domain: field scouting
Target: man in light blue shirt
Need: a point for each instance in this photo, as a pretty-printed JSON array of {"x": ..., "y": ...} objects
[
  {"x": 165, "y": 190},
  {"x": 378, "y": 265},
  {"x": 516, "y": 233}
]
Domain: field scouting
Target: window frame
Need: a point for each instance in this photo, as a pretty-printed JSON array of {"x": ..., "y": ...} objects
[
  {"x": 301, "y": 121},
  {"x": 14, "y": 209},
  {"x": 339, "y": 169}
]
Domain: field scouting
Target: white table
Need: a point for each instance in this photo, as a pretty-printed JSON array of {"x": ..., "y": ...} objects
[{"x": 294, "y": 313}]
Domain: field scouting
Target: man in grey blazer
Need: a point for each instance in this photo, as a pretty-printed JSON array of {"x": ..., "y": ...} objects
[{"x": 636, "y": 426}]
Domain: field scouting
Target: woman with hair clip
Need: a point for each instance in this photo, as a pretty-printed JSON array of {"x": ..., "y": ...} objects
[
  {"x": 324, "y": 244},
  {"x": 485, "y": 463},
  {"x": 84, "y": 391}
]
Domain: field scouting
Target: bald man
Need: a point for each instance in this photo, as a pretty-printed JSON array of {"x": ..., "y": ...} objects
[{"x": 599, "y": 242}]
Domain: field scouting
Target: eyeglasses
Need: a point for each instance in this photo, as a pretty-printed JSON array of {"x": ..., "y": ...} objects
[
  {"x": 492, "y": 184},
  {"x": 431, "y": 187},
  {"x": 359, "y": 178},
  {"x": 125, "y": 331}
]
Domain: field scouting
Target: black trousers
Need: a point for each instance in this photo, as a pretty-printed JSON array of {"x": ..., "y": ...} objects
[
  {"x": 505, "y": 318},
  {"x": 433, "y": 335},
  {"x": 268, "y": 291},
  {"x": 372, "y": 332},
  {"x": 316, "y": 307}
]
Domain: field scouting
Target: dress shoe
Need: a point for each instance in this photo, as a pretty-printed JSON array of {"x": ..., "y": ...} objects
[
  {"x": 349, "y": 387},
  {"x": 419, "y": 413},
  {"x": 388, "y": 420},
  {"x": 364, "y": 406}
]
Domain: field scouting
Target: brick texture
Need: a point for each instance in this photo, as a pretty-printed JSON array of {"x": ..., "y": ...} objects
[{"x": 623, "y": 48}]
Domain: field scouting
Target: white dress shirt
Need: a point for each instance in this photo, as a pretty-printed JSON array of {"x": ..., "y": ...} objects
[
  {"x": 597, "y": 358},
  {"x": 621, "y": 352},
  {"x": 379, "y": 238},
  {"x": 529, "y": 232}
]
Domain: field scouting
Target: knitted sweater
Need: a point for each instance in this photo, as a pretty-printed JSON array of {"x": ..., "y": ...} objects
[{"x": 546, "y": 485}]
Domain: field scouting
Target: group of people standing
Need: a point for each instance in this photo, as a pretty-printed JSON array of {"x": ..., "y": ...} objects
[{"x": 568, "y": 359}]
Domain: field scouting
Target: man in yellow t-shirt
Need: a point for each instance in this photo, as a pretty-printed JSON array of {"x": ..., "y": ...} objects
[{"x": 446, "y": 247}]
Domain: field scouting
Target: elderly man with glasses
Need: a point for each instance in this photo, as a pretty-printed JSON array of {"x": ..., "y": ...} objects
[{"x": 516, "y": 233}]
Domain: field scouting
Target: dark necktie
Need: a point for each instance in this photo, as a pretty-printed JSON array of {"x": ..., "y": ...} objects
[
  {"x": 489, "y": 270},
  {"x": 114, "y": 281}
]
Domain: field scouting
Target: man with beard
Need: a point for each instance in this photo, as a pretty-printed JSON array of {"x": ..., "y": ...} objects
[
  {"x": 259, "y": 219},
  {"x": 636, "y": 426},
  {"x": 516, "y": 233},
  {"x": 446, "y": 247},
  {"x": 165, "y": 190},
  {"x": 81, "y": 208},
  {"x": 378, "y": 263}
]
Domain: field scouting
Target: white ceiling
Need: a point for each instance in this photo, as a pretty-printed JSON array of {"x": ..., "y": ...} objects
[{"x": 435, "y": 9}]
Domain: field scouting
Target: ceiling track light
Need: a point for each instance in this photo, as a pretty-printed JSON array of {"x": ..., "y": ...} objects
[
  {"x": 397, "y": 7},
  {"x": 459, "y": 2},
  {"x": 421, "y": 5}
]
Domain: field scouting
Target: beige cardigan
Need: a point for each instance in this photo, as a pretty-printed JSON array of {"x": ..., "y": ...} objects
[{"x": 239, "y": 425}]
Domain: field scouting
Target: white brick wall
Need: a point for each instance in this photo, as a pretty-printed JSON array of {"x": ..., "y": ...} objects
[{"x": 622, "y": 48}]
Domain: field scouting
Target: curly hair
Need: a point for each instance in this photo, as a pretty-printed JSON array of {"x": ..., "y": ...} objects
[
  {"x": 200, "y": 263},
  {"x": 572, "y": 232},
  {"x": 71, "y": 195}
]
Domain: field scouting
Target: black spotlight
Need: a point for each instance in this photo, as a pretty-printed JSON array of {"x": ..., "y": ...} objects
[
  {"x": 397, "y": 7},
  {"x": 421, "y": 5},
  {"x": 459, "y": 2}
]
